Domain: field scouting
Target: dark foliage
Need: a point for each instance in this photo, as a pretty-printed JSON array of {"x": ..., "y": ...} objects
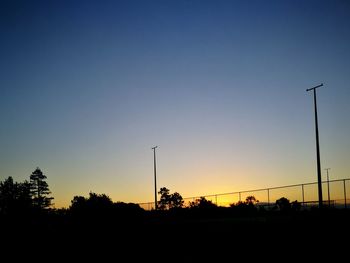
[
  {"x": 283, "y": 204},
  {"x": 39, "y": 190},
  {"x": 202, "y": 203},
  {"x": 99, "y": 208},
  {"x": 169, "y": 201},
  {"x": 15, "y": 198}
]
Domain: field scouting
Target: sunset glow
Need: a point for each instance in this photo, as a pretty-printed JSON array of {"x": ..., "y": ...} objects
[{"x": 88, "y": 87}]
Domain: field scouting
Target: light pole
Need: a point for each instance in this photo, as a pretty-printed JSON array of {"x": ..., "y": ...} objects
[
  {"x": 329, "y": 199},
  {"x": 155, "y": 177},
  {"x": 319, "y": 179}
]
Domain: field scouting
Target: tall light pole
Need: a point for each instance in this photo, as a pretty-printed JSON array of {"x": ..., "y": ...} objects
[
  {"x": 329, "y": 199},
  {"x": 155, "y": 177},
  {"x": 319, "y": 179}
]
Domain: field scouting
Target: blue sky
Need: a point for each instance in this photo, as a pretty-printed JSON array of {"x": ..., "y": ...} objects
[{"x": 88, "y": 87}]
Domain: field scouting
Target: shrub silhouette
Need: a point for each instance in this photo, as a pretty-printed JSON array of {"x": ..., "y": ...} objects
[
  {"x": 283, "y": 204},
  {"x": 296, "y": 206},
  {"x": 95, "y": 208},
  {"x": 202, "y": 203},
  {"x": 246, "y": 207},
  {"x": 99, "y": 209}
]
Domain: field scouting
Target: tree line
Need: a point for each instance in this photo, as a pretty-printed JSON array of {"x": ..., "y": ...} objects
[{"x": 34, "y": 195}]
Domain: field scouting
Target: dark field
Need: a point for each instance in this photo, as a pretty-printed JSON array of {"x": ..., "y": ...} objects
[{"x": 183, "y": 236}]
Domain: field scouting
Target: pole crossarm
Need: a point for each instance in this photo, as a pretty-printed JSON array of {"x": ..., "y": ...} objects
[{"x": 315, "y": 87}]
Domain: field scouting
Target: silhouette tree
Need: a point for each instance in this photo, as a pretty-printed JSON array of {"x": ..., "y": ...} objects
[
  {"x": 7, "y": 195},
  {"x": 98, "y": 211},
  {"x": 95, "y": 204},
  {"x": 169, "y": 201},
  {"x": 164, "y": 198},
  {"x": 251, "y": 200},
  {"x": 246, "y": 207},
  {"x": 14, "y": 197},
  {"x": 78, "y": 204},
  {"x": 99, "y": 201},
  {"x": 39, "y": 190},
  {"x": 176, "y": 200},
  {"x": 23, "y": 196}
]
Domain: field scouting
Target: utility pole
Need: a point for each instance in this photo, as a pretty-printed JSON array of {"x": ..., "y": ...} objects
[
  {"x": 155, "y": 178},
  {"x": 329, "y": 199},
  {"x": 319, "y": 178}
]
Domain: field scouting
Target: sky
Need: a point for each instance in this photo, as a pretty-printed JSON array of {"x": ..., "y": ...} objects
[{"x": 89, "y": 87}]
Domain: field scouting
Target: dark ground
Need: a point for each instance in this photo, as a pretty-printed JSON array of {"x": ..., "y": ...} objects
[{"x": 179, "y": 236}]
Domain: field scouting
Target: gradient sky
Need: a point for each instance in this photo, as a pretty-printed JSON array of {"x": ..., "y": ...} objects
[{"x": 88, "y": 87}]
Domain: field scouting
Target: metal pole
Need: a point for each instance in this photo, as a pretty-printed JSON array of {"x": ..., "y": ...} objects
[
  {"x": 329, "y": 199},
  {"x": 155, "y": 177},
  {"x": 268, "y": 197},
  {"x": 240, "y": 196},
  {"x": 319, "y": 178}
]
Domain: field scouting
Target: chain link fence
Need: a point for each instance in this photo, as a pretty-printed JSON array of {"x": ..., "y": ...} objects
[{"x": 335, "y": 193}]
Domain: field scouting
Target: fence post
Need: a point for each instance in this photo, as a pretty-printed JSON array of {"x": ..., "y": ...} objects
[
  {"x": 239, "y": 196},
  {"x": 216, "y": 200},
  {"x": 344, "y": 193},
  {"x": 302, "y": 192},
  {"x": 268, "y": 196}
]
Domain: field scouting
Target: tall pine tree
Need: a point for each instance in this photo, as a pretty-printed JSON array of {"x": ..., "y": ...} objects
[{"x": 39, "y": 190}]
